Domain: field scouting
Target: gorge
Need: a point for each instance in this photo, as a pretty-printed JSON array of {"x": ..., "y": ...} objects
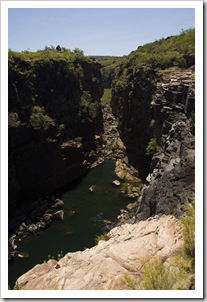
[{"x": 59, "y": 129}]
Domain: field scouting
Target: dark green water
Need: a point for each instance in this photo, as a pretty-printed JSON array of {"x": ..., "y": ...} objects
[{"x": 75, "y": 232}]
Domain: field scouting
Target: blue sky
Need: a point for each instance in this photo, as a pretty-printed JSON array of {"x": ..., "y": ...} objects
[{"x": 97, "y": 31}]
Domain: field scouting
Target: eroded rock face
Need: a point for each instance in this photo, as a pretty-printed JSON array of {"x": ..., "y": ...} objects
[
  {"x": 102, "y": 266},
  {"x": 132, "y": 92},
  {"x": 172, "y": 175},
  {"x": 54, "y": 116},
  {"x": 159, "y": 104}
]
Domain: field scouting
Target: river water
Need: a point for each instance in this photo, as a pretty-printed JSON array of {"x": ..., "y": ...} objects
[{"x": 84, "y": 213}]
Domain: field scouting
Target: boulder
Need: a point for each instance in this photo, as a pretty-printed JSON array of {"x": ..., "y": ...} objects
[
  {"x": 92, "y": 188},
  {"x": 58, "y": 203},
  {"x": 12, "y": 242},
  {"x": 47, "y": 218},
  {"x": 117, "y": 183},
  {"x": 59, "y": 215},
  {"x": 32, "y": 228},
  {"x": 108, "y": 225},
  {"x": 23, "y": 254},
  {"x": 11, "y": 256},
  {"x": 131, "y": 206}
]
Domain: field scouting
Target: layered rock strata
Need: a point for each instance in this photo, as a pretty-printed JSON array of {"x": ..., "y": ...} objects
[
  {"x": 172, "y": 174},
  {"x": 103, "y": 266}
]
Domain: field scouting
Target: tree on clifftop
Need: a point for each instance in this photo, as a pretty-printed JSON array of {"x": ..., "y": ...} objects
[
  {"x": 58, "y": 48},
  {"x": 78, "y": 51}
]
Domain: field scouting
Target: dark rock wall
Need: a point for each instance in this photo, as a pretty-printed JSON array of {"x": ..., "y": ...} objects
[
  {"x": 171, "y": 181},
  {"x": 132, "y": 93},
  {"x": 46, "y": 157},
  {"x": 158, "y": 104}
]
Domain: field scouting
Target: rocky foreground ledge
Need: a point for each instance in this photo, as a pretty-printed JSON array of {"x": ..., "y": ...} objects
[{"x": 103, "y": 266}]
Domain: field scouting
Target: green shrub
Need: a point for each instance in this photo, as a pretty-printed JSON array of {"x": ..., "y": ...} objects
[
  {"x": 106, "y": 98},
  {"x": 188, "y": 221},
  {"x": 152, "y": 147},
  {"x": 129, "y": 281},
  {"x": 57, "y": 257},
  {"x": 104, "y": 237},
  {"x": 60, "y": 255},
  {"x": 158, "y": 276},
  {"x": 137, "y": 182},
  {"x": 39, "y": 120},
  {"x": 125, "y": 188},
  {"x": 129, "y": 183},
  {"x": 88, "y": 105},
  {"x": 182, "y": 262},
  {"x": 155, "y": 275},
  {"x": 78, "y": 51},
  {"x": 13, "y": 121}
]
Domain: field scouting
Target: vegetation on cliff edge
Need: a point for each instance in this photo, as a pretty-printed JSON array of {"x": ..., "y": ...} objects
[
  {"x": 178, "y": 271},
  {"x": 133, "y": 88},
  {"x": 53, "y": 90}
]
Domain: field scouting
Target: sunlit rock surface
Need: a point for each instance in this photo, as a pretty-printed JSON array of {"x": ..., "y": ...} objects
[{"x": 103, "y": 266}]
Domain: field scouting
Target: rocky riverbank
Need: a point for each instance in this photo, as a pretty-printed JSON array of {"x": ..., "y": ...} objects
[
  {"x": 114, "y": 262},
  {"x": 110, "y": 146},
  {"x": 36, "y": 217},
  {"x": 39, "y": 214},
  {"x": 114, "y": 149},
  {"x": 54, "y": 123}
]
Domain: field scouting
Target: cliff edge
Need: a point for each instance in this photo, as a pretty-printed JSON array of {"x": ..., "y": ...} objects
[{"x": 107, "y": 265}]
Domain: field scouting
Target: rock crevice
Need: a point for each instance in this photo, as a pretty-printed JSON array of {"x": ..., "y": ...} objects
[{"x": 170, "y": 182}]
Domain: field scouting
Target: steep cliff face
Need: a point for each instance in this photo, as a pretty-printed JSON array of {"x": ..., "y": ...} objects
[
  {"x": 156, "y": 122},
  {"x": 134, "y": 88},
  {"x": 171, "y": 181},
  {"x": 132, "y": 94},
  {"x": 54, "y": 115}
]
